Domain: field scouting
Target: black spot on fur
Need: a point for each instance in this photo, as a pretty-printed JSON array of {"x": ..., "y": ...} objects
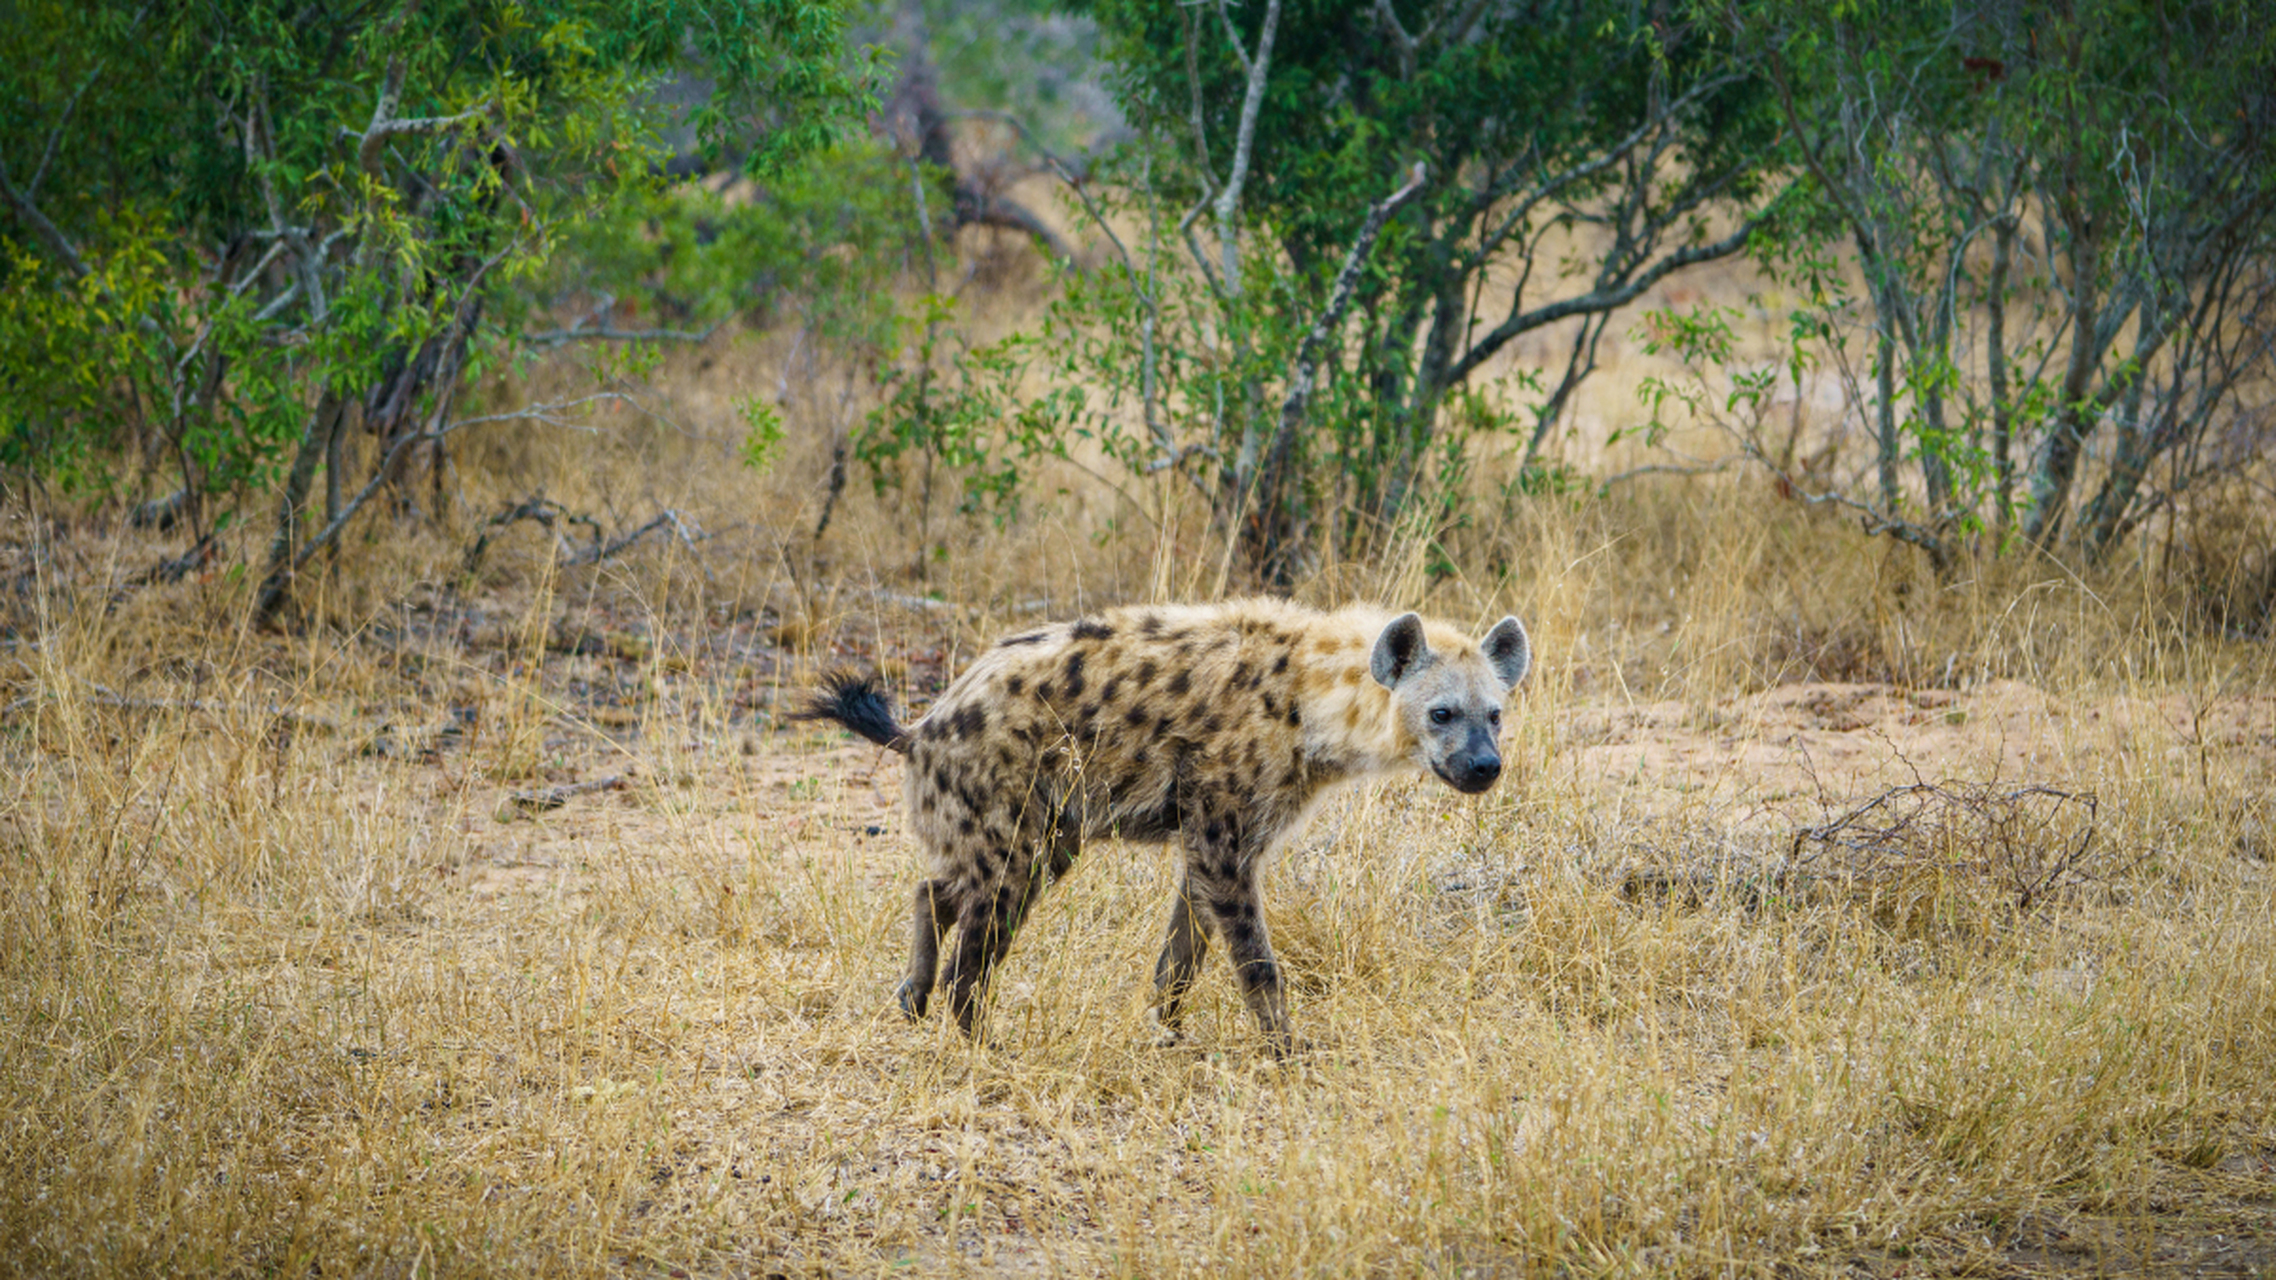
[
  {"x": 970, "y": 721},
  {"x": 1113, "y": 686},
  {"x": 1135, "y": 717},
  {"x": 1280, "y": 664},
  {"x": 1257, "y": 975},
  {"x": 1043, "y": 691},
  {"x": 1295, "y": 717},
  {"x": 1179, "y": 683},
  {"x": 940, "y": 778},
  {"x": 967, "y": 825},
  {"x": 1212, "y": 725},
  {"x": 1030, "y": 637},
  {"x": 1240, "y": 677},
  {"x": 1075, "y": 674},
  {"x": 1088, "y": 629},
  {"x": 1271, "y": 707},
  {"x": 1150, "y": 625},
  {"x": 1146, "y": 673},
  {"x": 1014, "y": 685}
]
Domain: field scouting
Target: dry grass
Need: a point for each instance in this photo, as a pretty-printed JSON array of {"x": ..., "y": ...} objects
[{"x": 289, "y": 985}]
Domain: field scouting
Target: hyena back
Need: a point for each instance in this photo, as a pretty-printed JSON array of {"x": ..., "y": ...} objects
[{"x": 1218, "y": 726}]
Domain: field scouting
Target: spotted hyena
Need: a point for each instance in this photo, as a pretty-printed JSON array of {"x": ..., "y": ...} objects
[{"x": 1217, "y": 726}]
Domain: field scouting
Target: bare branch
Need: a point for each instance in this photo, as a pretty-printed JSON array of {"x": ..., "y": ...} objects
[
  {"x": 382, "y": 111},
  {"x": 545, "y": 413},
  {"x": 1663, "y": 469},
  {"x": 1244, "y": 143},
  {"x": 1233, "y": 37},
  {"x": 71, "y": 108},
  {"x": 1193, "y": 246},
  {"x": 1193, "y": 88},
  {"x": 104, "y": 696},
  {"x": 1306, "y": 372},
  {"x": 664, "y": 520},
  {"x": 58, "y": 244},
  {"x": 1604, "y": 299},
  {"x": 1389, "y": 19},
  {"x": 1339, "y": 301},
  {"x": 546, "y": 799},
  {"x": 578, "y": 332}
]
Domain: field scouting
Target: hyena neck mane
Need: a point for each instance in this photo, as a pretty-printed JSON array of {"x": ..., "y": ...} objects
[{"x": 1350, "y": 730}]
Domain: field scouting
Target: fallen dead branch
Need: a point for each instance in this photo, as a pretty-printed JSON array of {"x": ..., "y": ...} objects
[
  {"x": 554, "y": 517},
  {"x": 547, "y": 799},
  {"x": 540, "y": 509},
  {"x": 2031, "y": 842},
  {"x": 102, "y": 696}
]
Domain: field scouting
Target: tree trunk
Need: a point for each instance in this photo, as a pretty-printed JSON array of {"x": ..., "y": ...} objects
[
  {"x": 284, "y": 546},
  {"x": 2057, "y": 462},
  {"x": 2002, "y": 413}
]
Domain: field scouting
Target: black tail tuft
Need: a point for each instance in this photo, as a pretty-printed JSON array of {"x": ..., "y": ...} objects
[{"x": 856, "y": 702}]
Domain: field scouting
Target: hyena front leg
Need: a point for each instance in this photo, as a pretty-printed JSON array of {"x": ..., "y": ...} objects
[
  {"x": 1240, "y": 922},
  {"x": 934, "y": 912},
  {"x": 1182, "y": 954}
]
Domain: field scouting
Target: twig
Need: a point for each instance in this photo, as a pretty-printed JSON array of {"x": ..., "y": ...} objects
[
  {"x": 71, "y": 108},
  {"x": 1306, "y": 372},
  {"x": 609, "y": 333},
  {"x": 103, "y": 696},
  {"x": 539, "y": 508},
  {"x": 667, "y": 519},
  {"x": 550, "y": 798},
  {"x": 1664, "y": 469},
  {"x": 58, "y": 243},
  {"x": 1244, "y": 139}
]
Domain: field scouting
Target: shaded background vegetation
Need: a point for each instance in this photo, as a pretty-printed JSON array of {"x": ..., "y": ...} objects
[{"x": 435, "y": 436}]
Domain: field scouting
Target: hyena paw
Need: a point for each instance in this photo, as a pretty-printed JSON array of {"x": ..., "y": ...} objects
[
  {"x": 1166, "y": 1034},
  {"x": 912, "y": 1000}
]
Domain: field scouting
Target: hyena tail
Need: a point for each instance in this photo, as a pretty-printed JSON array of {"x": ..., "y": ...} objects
[{"x": 856, "y": 702}]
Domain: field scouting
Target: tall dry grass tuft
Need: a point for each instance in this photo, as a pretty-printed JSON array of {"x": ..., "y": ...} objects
[{"x": 488, "y": 922}]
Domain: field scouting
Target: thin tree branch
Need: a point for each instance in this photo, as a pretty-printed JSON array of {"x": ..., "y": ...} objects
[
  {"x": 57, "y": 243},
  {"x": 578, "y": 332},
  {"x": 1607, "y": 299},
  {"x": 71, "y": 108},
  {"x": 1244, "y": 142}
]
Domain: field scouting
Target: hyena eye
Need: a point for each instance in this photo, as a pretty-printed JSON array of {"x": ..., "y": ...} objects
[
  {"x": 1494, "y": 717},
  {"x": 1440, "y": 715}
]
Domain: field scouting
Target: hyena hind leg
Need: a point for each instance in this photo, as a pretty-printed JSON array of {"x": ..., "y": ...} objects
[
  {"x": 983, "y": 934},
  {"x": 1182, "y": 953},
  {"x": 933, "y": 913}
]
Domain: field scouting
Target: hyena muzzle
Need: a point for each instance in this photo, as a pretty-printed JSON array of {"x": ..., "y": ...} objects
[{"x": 1216, "y": 726}]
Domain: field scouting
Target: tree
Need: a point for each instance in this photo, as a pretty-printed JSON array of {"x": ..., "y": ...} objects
[
  {"x": 2064, "y": 219},
  {"x": 233, "y": 229},
  {"x": 1628, "y": 142}
]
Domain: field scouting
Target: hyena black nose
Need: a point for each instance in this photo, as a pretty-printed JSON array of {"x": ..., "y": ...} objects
[{"x": 1479, "y": 773}]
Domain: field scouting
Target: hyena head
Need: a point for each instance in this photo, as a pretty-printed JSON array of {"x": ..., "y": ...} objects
[{"x": 1450, "y": 700}]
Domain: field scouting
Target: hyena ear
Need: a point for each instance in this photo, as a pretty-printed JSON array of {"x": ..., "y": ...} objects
[
  {"x": 1399, "y": 651},
  {"x": 1509, "y": 651}
]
